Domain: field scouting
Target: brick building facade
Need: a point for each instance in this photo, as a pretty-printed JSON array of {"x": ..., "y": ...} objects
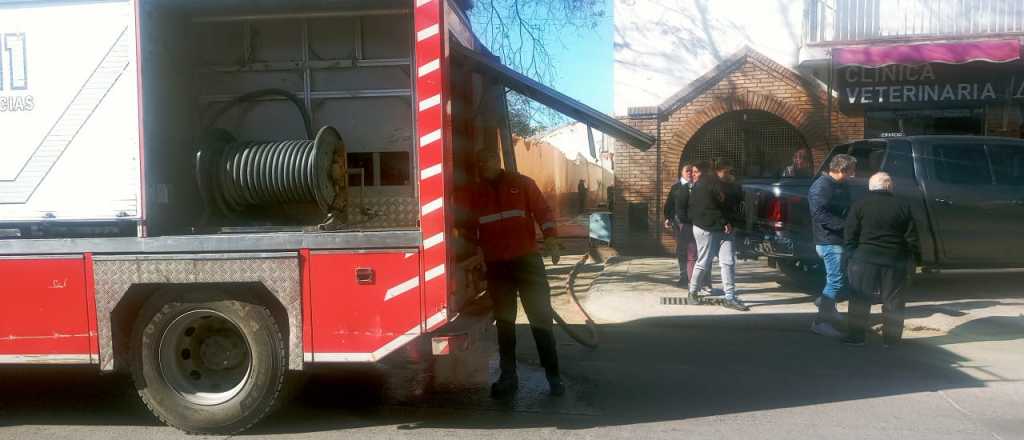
[{"x": 745, "y": 83}]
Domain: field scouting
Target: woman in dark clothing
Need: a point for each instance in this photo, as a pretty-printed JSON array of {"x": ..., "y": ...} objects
[{"x": 882, "y": 240}]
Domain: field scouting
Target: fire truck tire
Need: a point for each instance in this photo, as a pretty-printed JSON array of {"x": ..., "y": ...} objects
[{"x": 206, "y": 363}]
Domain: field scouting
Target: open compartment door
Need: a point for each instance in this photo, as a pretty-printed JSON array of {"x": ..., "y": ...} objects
[
  {"x": 69, "y": 113},
  {"x": 545, "y": 95}
]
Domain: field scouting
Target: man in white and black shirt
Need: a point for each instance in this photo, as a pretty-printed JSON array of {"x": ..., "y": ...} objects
[{"x": 678, "y": 222}]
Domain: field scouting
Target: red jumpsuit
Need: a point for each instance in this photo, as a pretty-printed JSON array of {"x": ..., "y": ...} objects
[{"x": 504, "y": 214}]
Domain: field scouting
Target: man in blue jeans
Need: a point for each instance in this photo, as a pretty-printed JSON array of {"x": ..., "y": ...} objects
[{"x": 829, "y": 198}]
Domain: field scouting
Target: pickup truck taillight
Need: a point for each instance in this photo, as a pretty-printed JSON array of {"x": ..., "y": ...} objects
[{"x": 773, "y": 211}]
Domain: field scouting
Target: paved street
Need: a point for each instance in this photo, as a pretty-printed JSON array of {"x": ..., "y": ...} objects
[{"x": 661, "y": 372}]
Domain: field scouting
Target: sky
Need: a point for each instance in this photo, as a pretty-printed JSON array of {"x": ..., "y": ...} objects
[{"x": 584, "y": 63}]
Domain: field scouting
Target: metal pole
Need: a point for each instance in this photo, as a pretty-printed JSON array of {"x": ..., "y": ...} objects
[
  {"x": 657, "y": 181},
  {"x": 358, "y": 39},
  {"x": 307, "y": 74},
  {"x": 300, "y": 15},
  {"x": 507, "y": 144},
  {"x": 828, "y": 113}
]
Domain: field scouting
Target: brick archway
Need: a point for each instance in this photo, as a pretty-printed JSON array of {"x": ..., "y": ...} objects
[
  {"x": 811, "y": 129},
  {"x": 746, "y": 82}
]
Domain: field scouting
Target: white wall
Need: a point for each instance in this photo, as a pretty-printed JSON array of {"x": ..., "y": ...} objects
[
  {"x": 663, "y": 45},
  {"x": 571, "y": 139}
]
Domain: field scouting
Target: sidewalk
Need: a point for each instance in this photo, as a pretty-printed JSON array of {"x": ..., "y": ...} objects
[{"x": 633, "y": 289}]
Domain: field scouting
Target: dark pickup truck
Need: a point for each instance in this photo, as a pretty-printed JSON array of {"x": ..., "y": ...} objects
[{"x": 967, "y": 194}]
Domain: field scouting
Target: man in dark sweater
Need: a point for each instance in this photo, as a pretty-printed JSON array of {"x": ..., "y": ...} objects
[
  {"x": 882, "y": 241},
  {"x": 713, "y": 209},
  {"x": 674, "y": 221},
  {"x": 677, "y": 220}
]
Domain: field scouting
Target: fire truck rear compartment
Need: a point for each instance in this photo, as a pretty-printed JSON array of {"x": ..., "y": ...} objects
[{"x": 235, "y": 90}]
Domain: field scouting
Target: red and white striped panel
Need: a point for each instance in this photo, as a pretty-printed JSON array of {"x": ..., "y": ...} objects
[{"x": 431, "y": 129}]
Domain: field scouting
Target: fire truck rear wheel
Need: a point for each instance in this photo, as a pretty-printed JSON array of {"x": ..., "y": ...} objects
[{"x": 208, "y": 364}]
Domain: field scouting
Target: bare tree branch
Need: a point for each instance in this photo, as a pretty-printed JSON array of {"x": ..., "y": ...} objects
[{"x": 521, "y": 33}]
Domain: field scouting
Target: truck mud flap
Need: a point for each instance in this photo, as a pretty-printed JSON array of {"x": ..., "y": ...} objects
[{"x": 463, "y": 348}]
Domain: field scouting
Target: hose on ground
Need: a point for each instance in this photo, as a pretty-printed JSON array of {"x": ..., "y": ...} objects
[{"x": 590, "y": 338}]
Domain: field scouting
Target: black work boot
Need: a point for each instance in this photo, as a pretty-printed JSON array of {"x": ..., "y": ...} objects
[
  {"x": 505, "y": 387},
  {"x": 892, "y": 335},
  {"x": 857, "y": 325},
  {"x": 556, "y": 387}
]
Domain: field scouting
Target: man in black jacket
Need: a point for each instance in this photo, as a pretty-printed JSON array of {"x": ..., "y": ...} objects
[
  {"x": 713, "y": 209},
  {"x": 678, "y": 222},
  {"x": 829, "y": 199},
  {"x": 881, "y": 238}
]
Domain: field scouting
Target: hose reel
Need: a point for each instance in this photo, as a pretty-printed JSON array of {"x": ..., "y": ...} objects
[{"x": 235, "y": 176}]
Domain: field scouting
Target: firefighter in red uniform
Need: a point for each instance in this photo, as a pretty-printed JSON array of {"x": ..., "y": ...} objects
[{"x": 505, "y": 206}]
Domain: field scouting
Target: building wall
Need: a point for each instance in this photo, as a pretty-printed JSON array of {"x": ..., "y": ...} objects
[
  {"x": 636, "y": 182},
  {"x": 557, "y": 177},
  {"x": 663, "y": 45},
  {"x": 572, "y": 140},
  {"x": 690, "y": 61}
]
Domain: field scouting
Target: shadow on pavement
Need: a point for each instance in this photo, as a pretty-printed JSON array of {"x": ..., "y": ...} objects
[
  {"x": 949, "y": 309},
  {"x": 69, "y": 396},
  {"x": 649, "y": 371},
  {"x": 950, "y": 286},
  {"x": 645, "y": 371},
  {"x": 992, "y": 328}
]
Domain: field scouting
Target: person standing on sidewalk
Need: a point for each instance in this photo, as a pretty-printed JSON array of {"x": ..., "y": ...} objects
[
  {"x": 882, "y": 241},
  {"x": 677, "y": 221},
  {"x": 711, "y": 210},
  {"x": 505, "y": 209},
  {"x": 829, "y": 198},
  {"x": 581, "y": 192}
]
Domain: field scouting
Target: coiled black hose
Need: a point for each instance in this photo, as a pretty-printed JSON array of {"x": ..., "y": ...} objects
[
  {"x": 307, "y": 121},
  {"x": 244, "y": 174}
]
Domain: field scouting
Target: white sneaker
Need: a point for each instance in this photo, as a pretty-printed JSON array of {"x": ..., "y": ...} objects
[{"x": 825, "y": 329}]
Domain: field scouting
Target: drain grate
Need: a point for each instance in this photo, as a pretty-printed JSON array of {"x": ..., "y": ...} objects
[{"x": 673, "y": 301}]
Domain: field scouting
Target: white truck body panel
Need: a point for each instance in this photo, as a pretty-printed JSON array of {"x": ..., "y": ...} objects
[{"x": 69, "y": 112}]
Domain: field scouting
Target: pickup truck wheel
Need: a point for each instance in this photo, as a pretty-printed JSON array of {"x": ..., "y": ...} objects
[
  {"x": 211, "y": 366},
  {"x": 810, "y": 280}
]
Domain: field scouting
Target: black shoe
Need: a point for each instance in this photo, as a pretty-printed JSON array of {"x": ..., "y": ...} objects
[
  {"x": 683, "y": 283},
  {"x": 557, "y": 388},
  {"x": 692, "y": 299},
  {"x": 853, "y": 341},
  {"x": 891, "y": 337},
  {"x": 735, "y": 304},
  {"x": 505, "y": 387}
]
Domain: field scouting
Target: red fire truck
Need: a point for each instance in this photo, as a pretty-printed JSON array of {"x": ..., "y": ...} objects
[{"x": 211, "y": 195}]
